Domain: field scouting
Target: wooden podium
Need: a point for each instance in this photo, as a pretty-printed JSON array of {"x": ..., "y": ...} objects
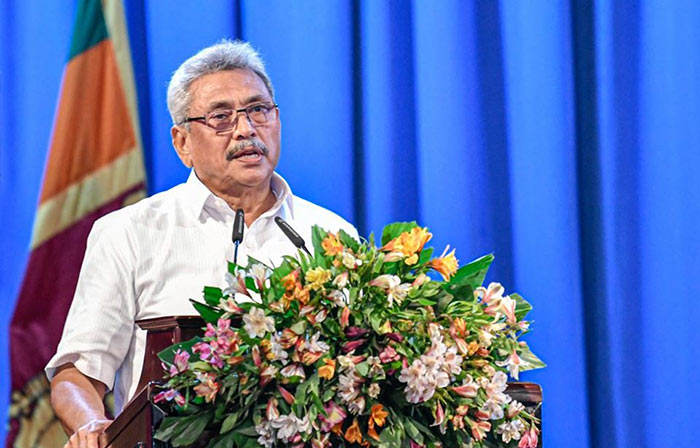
[{"x": 135, "y": 426}]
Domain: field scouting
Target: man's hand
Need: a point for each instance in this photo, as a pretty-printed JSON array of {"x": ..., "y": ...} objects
[
  {"x": 77, "y": 401},
  {"x": 87, "y": 435}
]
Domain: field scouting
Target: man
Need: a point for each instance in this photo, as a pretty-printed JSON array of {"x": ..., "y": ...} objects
[{"x": 147, "y": 260}]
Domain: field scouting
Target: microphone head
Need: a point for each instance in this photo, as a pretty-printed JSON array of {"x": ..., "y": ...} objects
[
  {"x": 294, "y": 237},
  {"x": 238, "y": 226}
]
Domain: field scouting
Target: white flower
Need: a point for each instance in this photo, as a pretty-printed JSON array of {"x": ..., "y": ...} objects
[
  {"x": 513, "y": 363},
  {"x": 260, "y": 273},
  {"x": 257, "y": 324},
  {"x": 414, "y": 376},
  {"x": 276, "y": 349},
  {"x": 293, "y": 370},
  {"x": 373, "y": 390},
  {"x": 286, "y": 426},
  {"x": 357, "y": 405},
  {"x": 349, "y": 260},
  {"x": 391, "y": 284},
  {"x": 314, "y": 345},
  {"x": 348, "y": 386},
  {"x": 337, "y": 297},
  {"x": 236, "y": 285},
  {"x": 511, "y": 430},
  {"x": 494, "y": 408},
  {"x": 267, "y": 435},
  {"x": 453, "y": 362}
]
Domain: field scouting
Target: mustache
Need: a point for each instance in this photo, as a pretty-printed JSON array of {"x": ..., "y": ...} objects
[{"x": 245, "y": 144}]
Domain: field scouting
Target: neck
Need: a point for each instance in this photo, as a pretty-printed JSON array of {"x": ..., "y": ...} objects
[{"x": 254, "y": 202}]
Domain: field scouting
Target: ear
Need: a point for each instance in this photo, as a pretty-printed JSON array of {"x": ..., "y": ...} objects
[{"x": 180, "y": 136}]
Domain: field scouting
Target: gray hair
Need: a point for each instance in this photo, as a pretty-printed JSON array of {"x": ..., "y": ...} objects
[{"x": 225, "y": 55}]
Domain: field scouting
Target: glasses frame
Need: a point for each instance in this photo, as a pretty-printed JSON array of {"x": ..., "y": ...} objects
[{"x": 204, "y": 119}]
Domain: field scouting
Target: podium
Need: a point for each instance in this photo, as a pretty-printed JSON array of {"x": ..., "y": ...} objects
[{"x": 135, "y": 426}]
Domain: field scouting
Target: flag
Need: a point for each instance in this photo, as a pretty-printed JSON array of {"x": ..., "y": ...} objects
[{"x": 94, "y": 166}]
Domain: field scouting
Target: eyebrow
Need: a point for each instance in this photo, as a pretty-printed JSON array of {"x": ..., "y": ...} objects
[{"x": 228, "y": 105}]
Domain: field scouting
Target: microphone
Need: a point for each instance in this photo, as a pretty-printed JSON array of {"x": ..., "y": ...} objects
[
  {"x": 292, "y": 235},
  {"x": 237, "y": 235}
]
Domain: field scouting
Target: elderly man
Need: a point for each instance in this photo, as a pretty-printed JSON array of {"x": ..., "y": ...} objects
[{"x": 148, "y": 259}]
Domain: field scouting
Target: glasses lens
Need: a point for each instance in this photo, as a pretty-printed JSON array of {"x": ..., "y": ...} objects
[
  {"x": 258, "y": 113},
  {"x": 221, "y": 119}
]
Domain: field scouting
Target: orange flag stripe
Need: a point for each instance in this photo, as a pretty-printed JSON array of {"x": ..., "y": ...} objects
[{"x": 93, "y": 126}]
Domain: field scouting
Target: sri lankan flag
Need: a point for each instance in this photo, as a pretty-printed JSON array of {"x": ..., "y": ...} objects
[{"x": 94, "y": 166}]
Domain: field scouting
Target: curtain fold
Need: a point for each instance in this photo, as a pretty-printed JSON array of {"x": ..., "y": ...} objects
[{"x": 561, "y": 136}]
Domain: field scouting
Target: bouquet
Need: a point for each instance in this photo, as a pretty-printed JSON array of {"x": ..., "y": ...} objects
[{"x": 356, "y": 345}]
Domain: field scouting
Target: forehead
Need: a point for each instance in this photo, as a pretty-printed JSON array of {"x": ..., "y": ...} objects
[{"x": 233, "y": 87}]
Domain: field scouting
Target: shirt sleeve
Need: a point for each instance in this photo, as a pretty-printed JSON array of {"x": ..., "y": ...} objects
[{"x": 100, "y": 322}]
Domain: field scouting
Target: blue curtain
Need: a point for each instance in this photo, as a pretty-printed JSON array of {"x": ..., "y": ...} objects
[{"x": 563, "y": 136}]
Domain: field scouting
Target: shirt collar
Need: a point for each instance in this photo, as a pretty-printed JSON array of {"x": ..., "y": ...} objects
[{"x": 198, "y": 194}]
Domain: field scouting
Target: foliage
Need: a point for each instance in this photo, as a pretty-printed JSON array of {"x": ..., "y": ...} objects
[{"x": 356, "y": 346}]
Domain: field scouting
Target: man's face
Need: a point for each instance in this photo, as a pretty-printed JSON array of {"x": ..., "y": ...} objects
[{"x": 228, "y": 162}]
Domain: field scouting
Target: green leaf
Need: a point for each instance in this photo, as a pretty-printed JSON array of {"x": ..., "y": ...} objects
[
  {"x": 212, "y": 295},
  {"x": 533, "y": 362},
  {"x": 362, "y": 368},
  {"x": 348, "y": 241},
  {"x": 189, "y": 429},
  {"x": 224, "y": 441},
  {"x": 522, "y": 306},
  {"x": 393, "y": 230},
  {"x": 208, "y": 313},
  {"x": 166, "y": 427},
  {"x": 168, "y": 355},
  {"x": 469, "y": 277},
  {"x": 412, "y": 431},
  {"x": 247, "y": 431},
  {"x": 317, "y": 236},
  {"x": 229, "y": 422},
  {"x": 426, "y": 302},
  {"x": 425, "y": 255}
]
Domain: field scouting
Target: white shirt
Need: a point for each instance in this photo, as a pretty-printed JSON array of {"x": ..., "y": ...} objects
[{"x": 147, "y": 260}]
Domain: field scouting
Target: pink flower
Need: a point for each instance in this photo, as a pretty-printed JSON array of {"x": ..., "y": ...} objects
[
  {"x": 288, "y": 397},
  {"x": 170, "y": 395},
  {"x": 355, "y": 332},
  {"x": 345, "y": 317},
  {"x": 439, "y": 415},
  {"x": 271, "y": 411},
  {"x": 352, "y": 345},
  {"x": 179, "y": 362},
  {"x": 479, "y": 429},
  {"x": 336, "y": 415},
  {"x": 493, "y": 292},
  {"x": 529, "y": 438},
  {"x": 388, "y": 355},
  {"x": 394, "y": 337}
]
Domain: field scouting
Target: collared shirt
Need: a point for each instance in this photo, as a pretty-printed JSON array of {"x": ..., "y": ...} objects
[{"x": 147, "y": 260}]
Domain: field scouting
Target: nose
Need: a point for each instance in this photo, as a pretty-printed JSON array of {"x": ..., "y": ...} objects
[{"x": 243, "y": 128}]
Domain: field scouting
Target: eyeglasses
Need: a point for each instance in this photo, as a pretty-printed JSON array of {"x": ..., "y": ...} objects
[{"x": 222, "y": 120}]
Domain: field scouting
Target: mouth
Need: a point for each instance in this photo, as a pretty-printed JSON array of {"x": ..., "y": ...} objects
[{"x": 250, "y": 153}]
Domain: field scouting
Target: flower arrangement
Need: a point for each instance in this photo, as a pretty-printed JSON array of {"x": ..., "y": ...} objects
[{"x": 356, "y": 346}]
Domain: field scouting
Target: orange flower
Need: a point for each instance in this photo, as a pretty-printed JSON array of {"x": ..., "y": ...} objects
[
  {"x": 328, "y": 370},
  {"x": 331, "y": 245},
  {"x": 378, "y": 415},
  {"x": 408, "y": 244},
  {"x": 446, "y": 265},
  {"x": 291, "y": 280},
  {"x": 353, "y": 434},
  {"x": 377, "y": 418},
  {"x": 302, "y": 295}
]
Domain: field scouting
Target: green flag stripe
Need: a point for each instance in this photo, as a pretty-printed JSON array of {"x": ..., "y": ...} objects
[{"x": 90, "y": 27}]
